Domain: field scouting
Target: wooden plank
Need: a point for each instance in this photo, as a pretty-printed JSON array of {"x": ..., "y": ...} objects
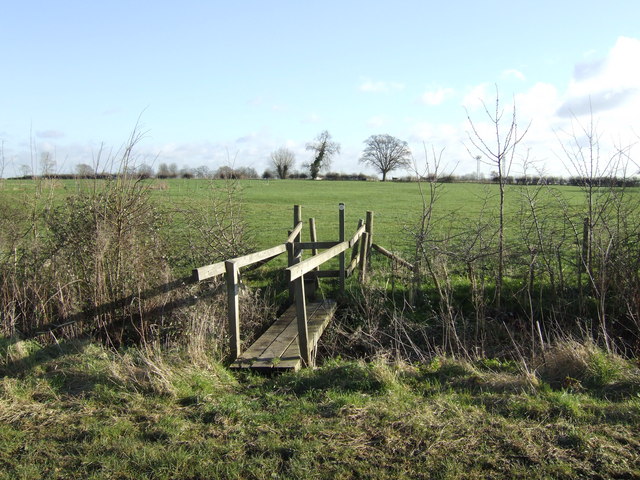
[
  {"x": 301, "y": 317},
  {"x": 282, "y": 351},
  {"x": 369, "y": 223},
  {"x": 258, "y": 348},
  {"x": 215, "y": 269},
  {"x": 356, "y": 236},
  {"x": 319, "y": 317},
  {"x": 355, "y": 242},
  {"x": 392, "y": 256},
  {"x": 313, "y": 236},
  {"x": 275, "y": 356},
  {"x": 233, "y": 308},
  {"x": 341, "y": 258},
  {"x": 296, "y": 271},
  {"x": 352, "y": 266},
  {"x": 208, "y": 271},
  {"x": 295, "y": 232},
  {"x": 245, "y": 260},
  {"x": 364, "y": 256},
  {"x": 315, "y": 245},
  {"x": 323, "y": 274}
]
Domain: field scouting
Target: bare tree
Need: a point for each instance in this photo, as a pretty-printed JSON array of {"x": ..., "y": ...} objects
[
  {"x": 145, "y": 170},
  {"x": 386, "y": 153},
  {"x": 499, "y": 154},
  {"x": 203, "y": 172},
  {"x": 47, "y": 164},
  {"x": 84, "y": 170},
  {"x": 283, "y": 160},
  {"x": 324, "y": 148},
  {"x": 167, "y": 171}
]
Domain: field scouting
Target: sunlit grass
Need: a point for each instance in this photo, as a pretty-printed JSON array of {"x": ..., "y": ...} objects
[{"x": 70, "y": 415}]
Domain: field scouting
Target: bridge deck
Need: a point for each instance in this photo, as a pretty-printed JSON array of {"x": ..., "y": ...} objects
[{"x": 277, "y": 348}]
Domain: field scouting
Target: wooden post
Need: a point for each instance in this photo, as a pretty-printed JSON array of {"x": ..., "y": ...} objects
[
  {"x": 297, "y": 218},
  {"x": 369, "y": 230},
  {"x": 294, "y": 254},
  {"x": 291, "y": 260},
  {"x": 364, "y": 252},
  {"x": 313, "y": 236},
  {"x": 233, "y": 308},
  {"x": 301, "y": 317},
  {"x": 356, "y": 247},
  {"x": 341, "y": 239}
]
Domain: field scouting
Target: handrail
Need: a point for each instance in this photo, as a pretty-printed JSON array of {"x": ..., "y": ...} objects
[
  {"x": 251, "y": 258},
  {"x": 215, "y": 269},
  {"x": 294, "y": 233},
  {"x": 394, "y": 257},
  {"x": 298, "y": 270},
  {"x": 360, "y": 242},
  {"x": 357, "y": 235}
]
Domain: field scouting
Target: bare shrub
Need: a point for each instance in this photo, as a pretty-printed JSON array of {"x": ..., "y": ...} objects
[
  {"x": 83, "y": 266},
  {"x": 370, "y": 326},
  {"x": 214, "y": 230},
  {"x": 574, "y": 364}
]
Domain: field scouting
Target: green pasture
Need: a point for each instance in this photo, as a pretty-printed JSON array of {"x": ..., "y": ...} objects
[
  {"x": 397, "y": 207},
  {"x": 267, "y": 208},
  {"x": 267, "y": 205}
]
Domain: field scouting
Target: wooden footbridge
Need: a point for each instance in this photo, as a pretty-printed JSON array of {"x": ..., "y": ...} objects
[{"x": 291, "y": 341}]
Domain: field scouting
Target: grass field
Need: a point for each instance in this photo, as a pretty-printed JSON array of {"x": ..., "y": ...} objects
[
  {"x": 168, "y": 408},
  {"x": 396, "y": 206},
  {"x": 78, "y": 411},
  {"x": 268, "y": 204}
]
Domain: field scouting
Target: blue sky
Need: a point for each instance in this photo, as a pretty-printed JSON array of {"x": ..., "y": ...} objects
[{"x": 214, "y": 82}]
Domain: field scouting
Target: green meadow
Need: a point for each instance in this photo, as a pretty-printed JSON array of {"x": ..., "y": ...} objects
[
  {"x": 267, "y": 205},
  {"x": 444, "y": 384}
]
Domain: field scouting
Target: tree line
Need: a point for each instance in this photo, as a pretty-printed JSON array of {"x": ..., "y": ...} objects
[{"x": 383, "y": 152}]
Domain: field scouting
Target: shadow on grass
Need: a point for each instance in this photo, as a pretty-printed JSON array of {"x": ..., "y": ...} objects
[{"x": 348, "y": 377}]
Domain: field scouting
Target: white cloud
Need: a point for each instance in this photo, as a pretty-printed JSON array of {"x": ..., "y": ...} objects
[
  {"x": 437, "y": 96},
  {"x": 50, "y": 134},
  {"x": 371, "y": 86},
  {"x": 604, "y": 84},
  {"x": 513, "y": 73},
  {"x": 477, "y": 96}
]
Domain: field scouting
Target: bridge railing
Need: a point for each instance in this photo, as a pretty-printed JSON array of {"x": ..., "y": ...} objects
[{"x": 360, "y": 242}]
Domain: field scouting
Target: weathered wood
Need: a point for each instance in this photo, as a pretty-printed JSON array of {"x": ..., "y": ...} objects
[
  {"x": 259, "y": 256},
  {"x": 355, "y": 240},
  {"x": 323, "y": 274},
  {"x": 364, "y": 255},
  {"x": 278, "y": 349},
  {"x": 341, "y": 259},
  {"x": 319, "y": 315},
  {"x": 296, "y": 271},
  {"x": 233, "y": 310},
  {"x": 295, "y": 233},
  {"x": 313, "y": 236},
  {"x": 314, "y": 246},
  {"x": 352, "y": 266},
  {"x": 301, "y": 317},
  {"x": 279, "y": 344},
  {"x": 357, "y": 235},
  {"x": 369, "y": 224},
  {"x": 392, "y": 256},
  {"x": 259, "y": 347},
  {"x": 208, "y": 271},
  {"x": 215, "y": 269}
]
